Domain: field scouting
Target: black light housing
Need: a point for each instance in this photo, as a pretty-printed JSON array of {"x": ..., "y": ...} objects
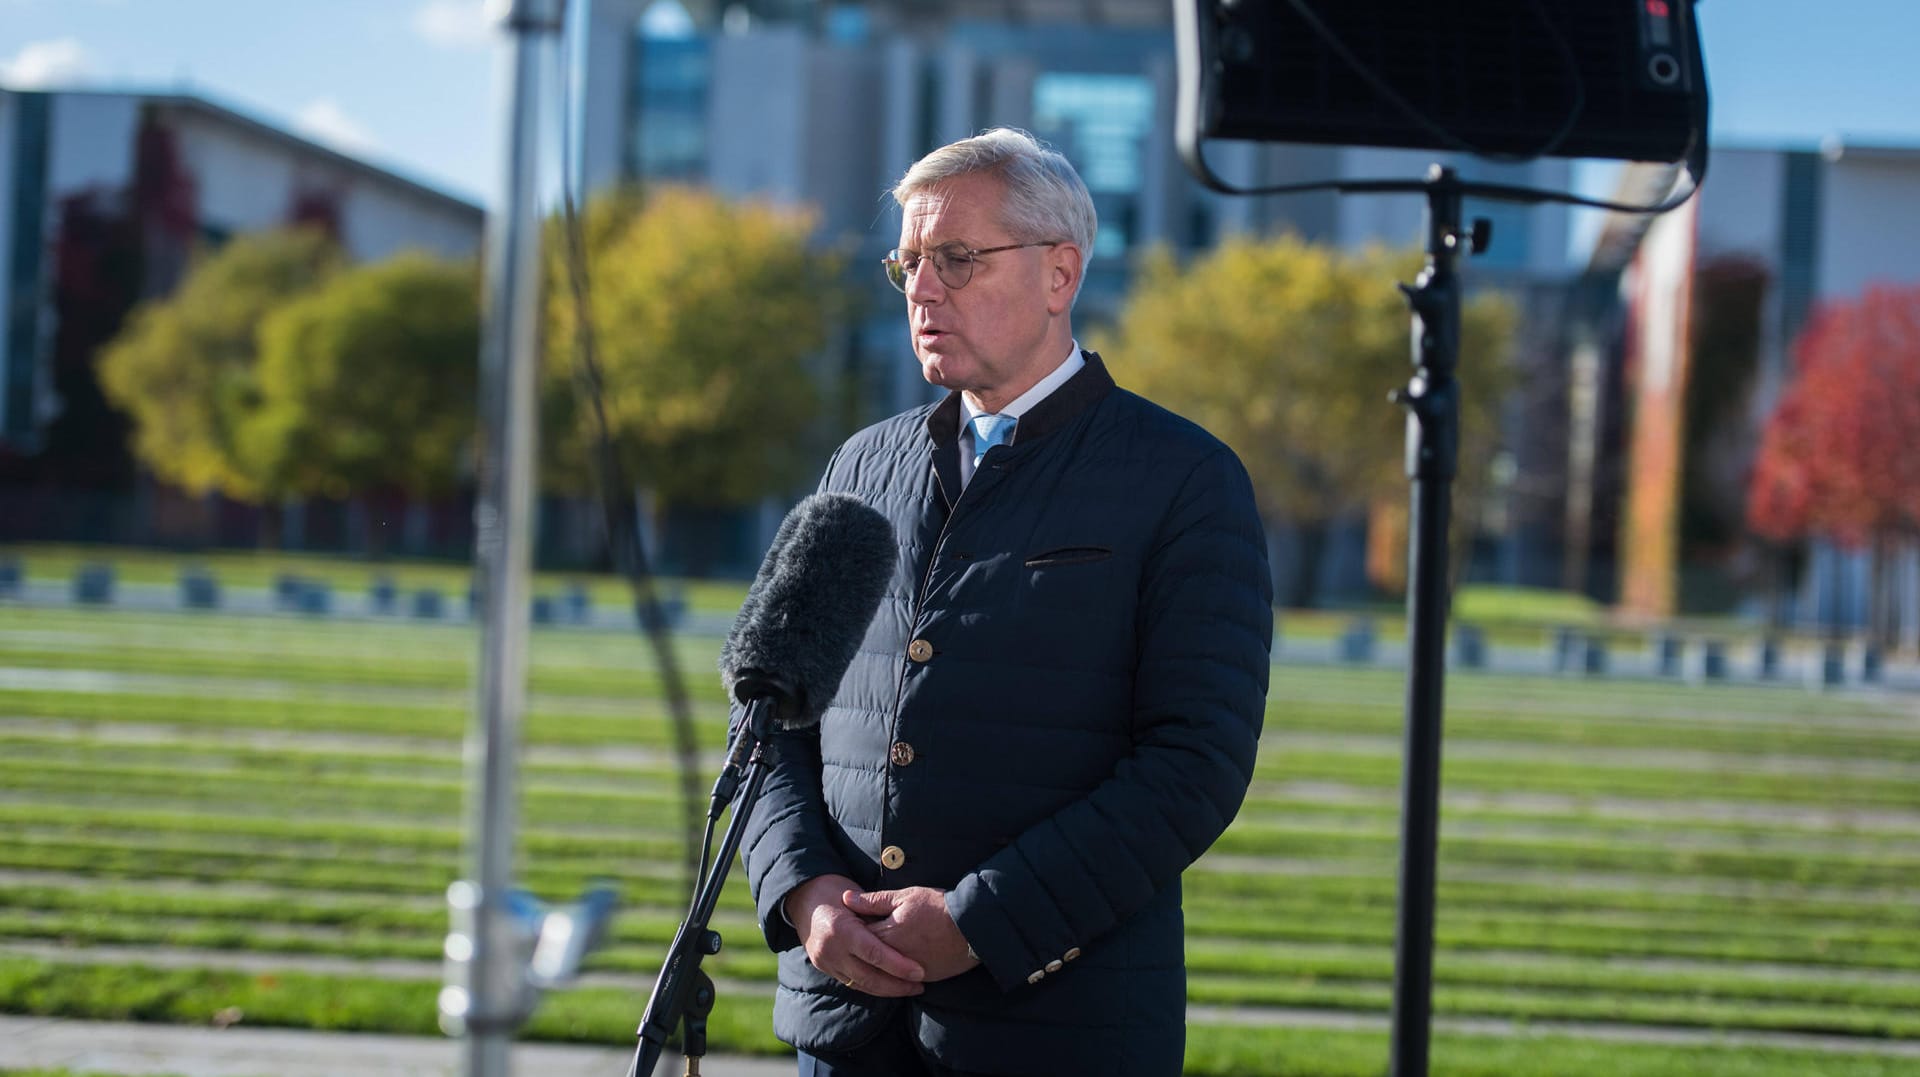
[{"x": 1618, "y": 79}]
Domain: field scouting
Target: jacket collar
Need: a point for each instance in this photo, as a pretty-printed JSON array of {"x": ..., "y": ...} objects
[
  {"x": 1080, "y": 392},
  {"x": 1062, "y": 406}
]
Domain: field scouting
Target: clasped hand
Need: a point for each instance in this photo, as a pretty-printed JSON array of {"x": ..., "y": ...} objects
[{"x": 883, "y": 942}]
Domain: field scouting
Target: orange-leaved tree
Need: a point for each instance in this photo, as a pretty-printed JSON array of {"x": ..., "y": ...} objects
[{"x": 1836, "y": 459}]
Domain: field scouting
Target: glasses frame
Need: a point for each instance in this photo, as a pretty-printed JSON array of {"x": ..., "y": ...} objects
[{"x": 900, "y": 276}]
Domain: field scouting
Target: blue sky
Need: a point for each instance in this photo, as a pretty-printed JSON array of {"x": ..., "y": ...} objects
[{"x": 411, "y": 83}]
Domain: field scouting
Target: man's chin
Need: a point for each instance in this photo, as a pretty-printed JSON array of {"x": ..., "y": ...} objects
[{"x": 941, "y": 371}]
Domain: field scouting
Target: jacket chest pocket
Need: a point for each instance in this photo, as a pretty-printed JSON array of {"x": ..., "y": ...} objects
[{"x": 1073, "y": 577}]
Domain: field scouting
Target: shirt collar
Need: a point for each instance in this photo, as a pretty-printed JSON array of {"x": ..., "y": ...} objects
[{"x": 1042, "y": 389}]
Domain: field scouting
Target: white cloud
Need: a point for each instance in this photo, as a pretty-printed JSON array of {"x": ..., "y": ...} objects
[
  {"x": 459, "y": 24},
  {"x": 60, "y": 62},
  {"x": 325, "y": 121}
]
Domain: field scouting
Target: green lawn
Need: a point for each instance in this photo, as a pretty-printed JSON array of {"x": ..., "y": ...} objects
[{"x": 1716, "y": 859}]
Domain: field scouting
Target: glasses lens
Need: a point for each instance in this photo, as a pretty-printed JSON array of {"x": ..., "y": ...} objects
[
  {"x": 899, "y": 265},
  {"x": 954, "y": 263}
]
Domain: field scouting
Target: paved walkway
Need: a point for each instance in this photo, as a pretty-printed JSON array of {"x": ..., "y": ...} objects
[{"x": 120, "y": 1048}]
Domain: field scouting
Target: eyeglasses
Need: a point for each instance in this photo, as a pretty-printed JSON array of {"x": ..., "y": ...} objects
[{"x": 952, "y": 262}]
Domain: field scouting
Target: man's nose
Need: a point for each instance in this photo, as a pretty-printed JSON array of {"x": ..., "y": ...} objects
[{"x": 924, "y": 284}]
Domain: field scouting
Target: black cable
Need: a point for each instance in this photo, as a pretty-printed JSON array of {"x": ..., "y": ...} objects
[
  {"x": 618, "y": 509},
  {"x": 1447, "y": 138}
]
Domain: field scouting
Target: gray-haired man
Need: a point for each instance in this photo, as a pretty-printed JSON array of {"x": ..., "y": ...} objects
[{"x": 973, "y": 864}]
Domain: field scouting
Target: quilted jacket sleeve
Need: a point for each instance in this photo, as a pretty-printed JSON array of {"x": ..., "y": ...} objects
[
  {"x": 787, "y": 839},
  {"x": 1205, "y": 629}
]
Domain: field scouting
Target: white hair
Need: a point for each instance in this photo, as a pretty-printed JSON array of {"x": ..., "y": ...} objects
[{"x": 1045, "y": 201}]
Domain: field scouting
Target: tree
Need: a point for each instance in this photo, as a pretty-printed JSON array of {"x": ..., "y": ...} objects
[
  {"x": 367, "y": 385},
  {"x": 186, "y": 368},
  {"x": 704, "y": 314},
  {"x": 1836, "y": 457},
  {"x": 1286, "y": 351}
]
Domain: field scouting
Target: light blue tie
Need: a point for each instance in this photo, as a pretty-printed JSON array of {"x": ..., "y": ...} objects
[{"x": 990, "y": 430}]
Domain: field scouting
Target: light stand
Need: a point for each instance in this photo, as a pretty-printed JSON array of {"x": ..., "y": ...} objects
[
  {"x": 504, "y": 947},
  {"x": 1343, "y": 72},
  {"x": 1432, "y": 400}
]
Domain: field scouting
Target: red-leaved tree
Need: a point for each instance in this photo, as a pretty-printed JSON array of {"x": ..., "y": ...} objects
[{"x": 1838, "y": 456}]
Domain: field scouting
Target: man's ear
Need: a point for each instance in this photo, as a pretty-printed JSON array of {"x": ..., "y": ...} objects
[{"x": 1065, "y": 264}]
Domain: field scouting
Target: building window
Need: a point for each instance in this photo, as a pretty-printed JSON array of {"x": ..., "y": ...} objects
[
  {"x": 1101, "y": 122},
  {"x": 669, "y": 136}
]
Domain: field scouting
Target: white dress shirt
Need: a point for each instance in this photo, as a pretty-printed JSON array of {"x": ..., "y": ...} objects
[{"x": 1024, "y": 403}]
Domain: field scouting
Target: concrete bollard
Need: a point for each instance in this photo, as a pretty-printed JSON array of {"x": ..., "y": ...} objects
[
  {"x": 427, "y": 605},
  {"x": 1356, "y": 643},
  {"x": 382, "y": 595},
  {"x": 93, "y": 585},
  {"x": 1829, "y": 667},
  {"x": 1593, "y": 656},
  {"x": 1565, "y": 642},
  {"x": 1712, "y": 663},
  {"x": 198, "y": 589},
  {"x": 1870, "y": 663},
  {"x": 1670, "y": 651},
  {"x": 1469, "y": 647},
  {"x": 316, "y": 599},
  {"x": 579, "y": 604}
]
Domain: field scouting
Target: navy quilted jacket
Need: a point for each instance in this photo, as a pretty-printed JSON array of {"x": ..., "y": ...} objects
[{"x": 1054, "y": 713}]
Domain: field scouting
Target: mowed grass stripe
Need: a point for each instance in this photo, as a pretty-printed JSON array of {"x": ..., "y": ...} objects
[
  {"x": 1369, "y": 767},
  {"x": 1815, "y": 935},
  {"x": 30, "y": 764},
  {"x": 156, "y": 918},
  {"x": 1804, "y": 740},
  {"x": 600, "y": 1015},
  {"x": 549, "y": 721},
  {"x": 1826, "y": 945},
  {"x": 1246, "y": 837},
  {"x": 1683, "y": 999}
]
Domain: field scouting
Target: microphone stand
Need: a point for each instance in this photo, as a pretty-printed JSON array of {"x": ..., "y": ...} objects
[{"x": 683, "y": 992}]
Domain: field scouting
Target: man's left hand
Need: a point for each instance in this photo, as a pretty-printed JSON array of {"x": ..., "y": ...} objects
[{"x": 915, "y": 922}]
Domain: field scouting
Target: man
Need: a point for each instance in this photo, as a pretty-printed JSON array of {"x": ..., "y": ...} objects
[{"x": 972, "y": 865}]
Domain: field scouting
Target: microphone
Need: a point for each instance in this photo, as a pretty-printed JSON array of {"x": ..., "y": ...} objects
[{"x": 809, "y": 607}]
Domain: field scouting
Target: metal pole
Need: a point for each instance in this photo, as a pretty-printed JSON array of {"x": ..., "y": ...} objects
[
  {"x": 1432, "y": 400},
  {"x": 494, "y": 998}
]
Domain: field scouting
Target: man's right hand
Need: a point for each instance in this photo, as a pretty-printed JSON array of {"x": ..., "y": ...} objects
[{"x": 841, "y": 945}]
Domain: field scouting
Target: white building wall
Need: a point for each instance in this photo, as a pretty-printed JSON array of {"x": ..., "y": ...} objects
[
  {"x": 843, "y": 175},
  {"x": 248, "y": 183},
  {"x": 756, "y": 146},
  {"x": 1740, "y": 204},
  {"x": 1870, "y": 223},
  {"x": 91, "y": 143},
  {"x": 605, "y": 81}
]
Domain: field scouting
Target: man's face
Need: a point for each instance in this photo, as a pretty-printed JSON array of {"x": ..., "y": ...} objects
[{"x": 988, "y": 339}]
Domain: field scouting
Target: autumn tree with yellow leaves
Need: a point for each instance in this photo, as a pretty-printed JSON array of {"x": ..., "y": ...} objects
[{"x": 1287, "y": 350}]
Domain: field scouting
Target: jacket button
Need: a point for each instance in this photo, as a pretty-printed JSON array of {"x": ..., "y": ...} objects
[
  {"x": 892, "y": 857},
  {"x": 902, "y": 754},
  {"x": 1038, "y": 975},
  {"x": 1054, "y": 966},
  {"x": 919, "y": 650},
  {"x": 1070, "y": 954}
]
